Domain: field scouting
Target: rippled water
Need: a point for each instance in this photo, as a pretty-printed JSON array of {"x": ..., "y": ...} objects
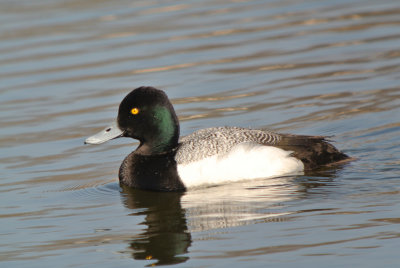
[{"x": 306, "y": 67}]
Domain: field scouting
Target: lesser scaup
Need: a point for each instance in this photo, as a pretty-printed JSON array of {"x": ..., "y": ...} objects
[{"x": 163, "y": 162}]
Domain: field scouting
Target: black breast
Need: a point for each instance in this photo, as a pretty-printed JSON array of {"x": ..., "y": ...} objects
[{"x": 151, "y": 172}]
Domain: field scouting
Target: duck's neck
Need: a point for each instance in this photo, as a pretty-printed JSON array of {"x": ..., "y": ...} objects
[{"x": 165, "y": 136}]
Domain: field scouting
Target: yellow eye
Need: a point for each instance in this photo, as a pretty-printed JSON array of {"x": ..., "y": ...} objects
[{"x": 134, "y": 111}]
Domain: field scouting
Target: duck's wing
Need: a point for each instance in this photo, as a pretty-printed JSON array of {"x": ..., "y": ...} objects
[
  {"x": 313, "y": 151},
  {"x": 220, "y": 140}
]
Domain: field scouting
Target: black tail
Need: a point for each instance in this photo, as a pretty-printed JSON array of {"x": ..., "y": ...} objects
[{"x": 313, "y": 151}]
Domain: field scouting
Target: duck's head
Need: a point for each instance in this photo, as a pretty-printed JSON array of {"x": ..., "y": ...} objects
[{"x": 145, "y": 114}]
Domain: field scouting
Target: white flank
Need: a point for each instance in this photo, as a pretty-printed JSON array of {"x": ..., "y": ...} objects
[{"x": 244, "y": 161}]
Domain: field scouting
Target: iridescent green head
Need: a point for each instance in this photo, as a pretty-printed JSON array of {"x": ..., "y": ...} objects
[{"x": 145, "y": 114}]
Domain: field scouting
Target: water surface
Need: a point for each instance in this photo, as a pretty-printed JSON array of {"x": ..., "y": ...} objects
[{"x": 306, "y": 67}]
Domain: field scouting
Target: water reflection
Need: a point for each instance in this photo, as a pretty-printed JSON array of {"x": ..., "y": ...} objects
[
  {"x": 166, "y": 238},
  {"x": 170, "y": 218}
]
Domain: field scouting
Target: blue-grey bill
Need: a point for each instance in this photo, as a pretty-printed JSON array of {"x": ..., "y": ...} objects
[{"x": 106, "y": 134}]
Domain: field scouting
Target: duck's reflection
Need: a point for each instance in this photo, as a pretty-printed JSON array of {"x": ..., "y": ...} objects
[
  {"x": 171, "y": 217},
  {"x": 166, "y": 238}
]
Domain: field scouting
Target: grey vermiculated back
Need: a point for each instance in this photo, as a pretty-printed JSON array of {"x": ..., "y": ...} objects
[{"x": 219, "y": 140}]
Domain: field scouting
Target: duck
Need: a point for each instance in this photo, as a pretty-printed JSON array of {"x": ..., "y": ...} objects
[{"x": 164, "y": 161}]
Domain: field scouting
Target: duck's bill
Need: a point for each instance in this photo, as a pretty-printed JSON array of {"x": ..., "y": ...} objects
[{"x": 109, "y": 133}]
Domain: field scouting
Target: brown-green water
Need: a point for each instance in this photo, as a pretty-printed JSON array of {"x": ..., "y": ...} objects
[{"x": 306, "y": 67}]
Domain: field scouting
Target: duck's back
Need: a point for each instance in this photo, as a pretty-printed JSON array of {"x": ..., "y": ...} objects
[
  {"x": 313, "y": 151},
  {"x": 218, "y": 141}
]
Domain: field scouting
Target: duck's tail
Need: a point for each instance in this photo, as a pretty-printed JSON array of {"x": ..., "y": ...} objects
[{"x": 313, "y": 151}]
